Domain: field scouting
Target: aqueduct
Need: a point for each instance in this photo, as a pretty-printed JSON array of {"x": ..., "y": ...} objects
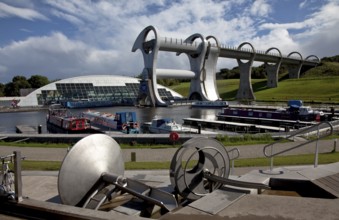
[{"x": 203, "y": 54}]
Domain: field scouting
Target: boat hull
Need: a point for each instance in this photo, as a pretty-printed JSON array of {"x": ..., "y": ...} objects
[
  {"x": 59, "y": 120},
  {"x": 121, "y": 121},
  {"x": 52, "y": 128},
  {"x": 210, "y": 104}
]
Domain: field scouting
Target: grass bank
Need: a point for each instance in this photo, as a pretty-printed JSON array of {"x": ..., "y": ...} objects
[
  {"x": 324, "y": 158},
  {"x": 246, "y": 139},
  {"x": 310, "y": 89}
]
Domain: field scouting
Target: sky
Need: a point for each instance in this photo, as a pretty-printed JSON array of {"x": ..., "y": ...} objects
[{"x": 66, "y": 38}]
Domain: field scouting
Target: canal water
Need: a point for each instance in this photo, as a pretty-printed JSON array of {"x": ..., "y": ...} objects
[{"x": 8, "y": 121}]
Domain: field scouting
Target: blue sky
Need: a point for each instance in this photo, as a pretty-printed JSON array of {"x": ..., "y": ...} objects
[{"x": 66, "y": 38}]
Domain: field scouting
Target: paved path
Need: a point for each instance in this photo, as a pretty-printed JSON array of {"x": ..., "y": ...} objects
[
  {"x": 43, "y": 185},
  {"x": 247, "y": 151}
]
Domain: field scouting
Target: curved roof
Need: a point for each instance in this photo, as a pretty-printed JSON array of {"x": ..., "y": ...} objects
[{"x": 97, "y": 80}]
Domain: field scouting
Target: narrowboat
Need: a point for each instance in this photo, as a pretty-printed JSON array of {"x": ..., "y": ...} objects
[
  {"x": 125, "y": 122},
  {"x": 210, "y": 104},
  {"x": 60, "y": 120},
  {"x": 295, "y": 112}
]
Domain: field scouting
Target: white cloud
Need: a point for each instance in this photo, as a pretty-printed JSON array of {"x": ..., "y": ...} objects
[
  {"x": 25, "y": 13},
  {"x": 294, "y": 25},
  {"x": 57, "y": 56},
  {"x": 279, "y": 38},
  {"x": 260, "y": 8},
  {"x": 70, "y": 18},
  {"x": 315, "y": 35},
  {"x": 106, "y": 30},
  {"x": 303, "y": 4}
]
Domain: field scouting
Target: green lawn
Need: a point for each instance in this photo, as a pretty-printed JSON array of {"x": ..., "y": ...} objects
[
  {"x": 246, "y": 139},
  {"x": 324, "y": 158},
  {"x": 311, "y": 89}
]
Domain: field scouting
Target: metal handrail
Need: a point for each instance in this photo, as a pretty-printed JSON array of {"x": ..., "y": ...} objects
[
  {"x": 302, "y": 131},
  {"x": 231, "y": 152}
]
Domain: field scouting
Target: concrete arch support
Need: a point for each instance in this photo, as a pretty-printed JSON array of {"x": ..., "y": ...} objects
[
  {"x": 210, "y": 69},
  {"x": 272, "y": 70},
  {"x": 294, "y": 70},
  {"x": 197, "y": 90},
  {"x": 148, "y": 86},
  {"x": 316, "y": 58},
  {"x": 245, "y": 91},
  {"x": 203, "y": 54}
]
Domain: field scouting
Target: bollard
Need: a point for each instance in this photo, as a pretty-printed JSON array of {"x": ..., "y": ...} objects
[
  {"x": 199, "y": 128},
  {"x": 334, "y": 146},
  {"x": 133, "y": 156},
  {"x": 39, "y": 129}
]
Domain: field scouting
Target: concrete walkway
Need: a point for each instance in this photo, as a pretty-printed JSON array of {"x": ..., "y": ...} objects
[{"x": 42, "y": 185}]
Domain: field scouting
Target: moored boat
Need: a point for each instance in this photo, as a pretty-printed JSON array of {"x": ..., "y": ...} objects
[
  {"x": 165, "y": 125},
  {"x": 210, "y": 104},
  {"x": 295, "y": 111},
  {"x": 59, "y": 119},
  {"x": 121, "y": 121},
  {"x": 89, "y": 103}
]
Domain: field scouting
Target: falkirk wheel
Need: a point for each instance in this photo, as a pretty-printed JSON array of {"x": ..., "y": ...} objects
[
  {"x": 203, "y": 54},
  {"x": 92, "y": 177},
  {"x": 202, "y": 67}
]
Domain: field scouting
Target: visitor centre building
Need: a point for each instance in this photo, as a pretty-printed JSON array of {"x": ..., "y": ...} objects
[{"x": 99, "y": 90}]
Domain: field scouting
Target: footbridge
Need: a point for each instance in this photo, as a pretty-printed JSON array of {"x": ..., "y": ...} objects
[{"x": 203, "y": 54}]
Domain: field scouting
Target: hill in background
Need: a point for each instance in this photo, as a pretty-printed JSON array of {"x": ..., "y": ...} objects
[
  {"x": 316, "y": 85},
  {"x": 324, "y": 69}
]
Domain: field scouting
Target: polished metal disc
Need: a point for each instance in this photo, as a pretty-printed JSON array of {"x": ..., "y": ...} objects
[
  {"x": 84, "y": 164},
  {"x": 191, "y": 160}
]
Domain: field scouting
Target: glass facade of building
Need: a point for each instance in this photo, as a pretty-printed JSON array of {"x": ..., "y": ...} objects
[
  {"x": 98, "y": 90},
  {"x": 72, "y": 92}
]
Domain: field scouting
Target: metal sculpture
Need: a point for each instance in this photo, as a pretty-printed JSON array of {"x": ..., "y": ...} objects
[
  {"x": 202, "y": 165},
  {"x": 208, "y": 155},
  {"x": 92, "y": 172}
]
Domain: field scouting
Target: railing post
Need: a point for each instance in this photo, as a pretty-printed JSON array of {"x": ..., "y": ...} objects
[
  {"x": 316, "y": 150},
  {"x": 232, "y": 168},
  {"x": 17, "y": 176},
  {"x": 335, "y": 145},
  {"x": 271, "y": 166}
]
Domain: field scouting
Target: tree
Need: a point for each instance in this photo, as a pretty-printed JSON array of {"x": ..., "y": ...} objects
[
  {"x": 37, "y": 81},
  {"x": 168, "y": 82},
  {"x": 330, "y": 59},
  {"x": 259, "y": 72},
  {"x": 13, "y": 88},
  {"x": 19, "y": 79},
  {"x": 2, "y": 90}
]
